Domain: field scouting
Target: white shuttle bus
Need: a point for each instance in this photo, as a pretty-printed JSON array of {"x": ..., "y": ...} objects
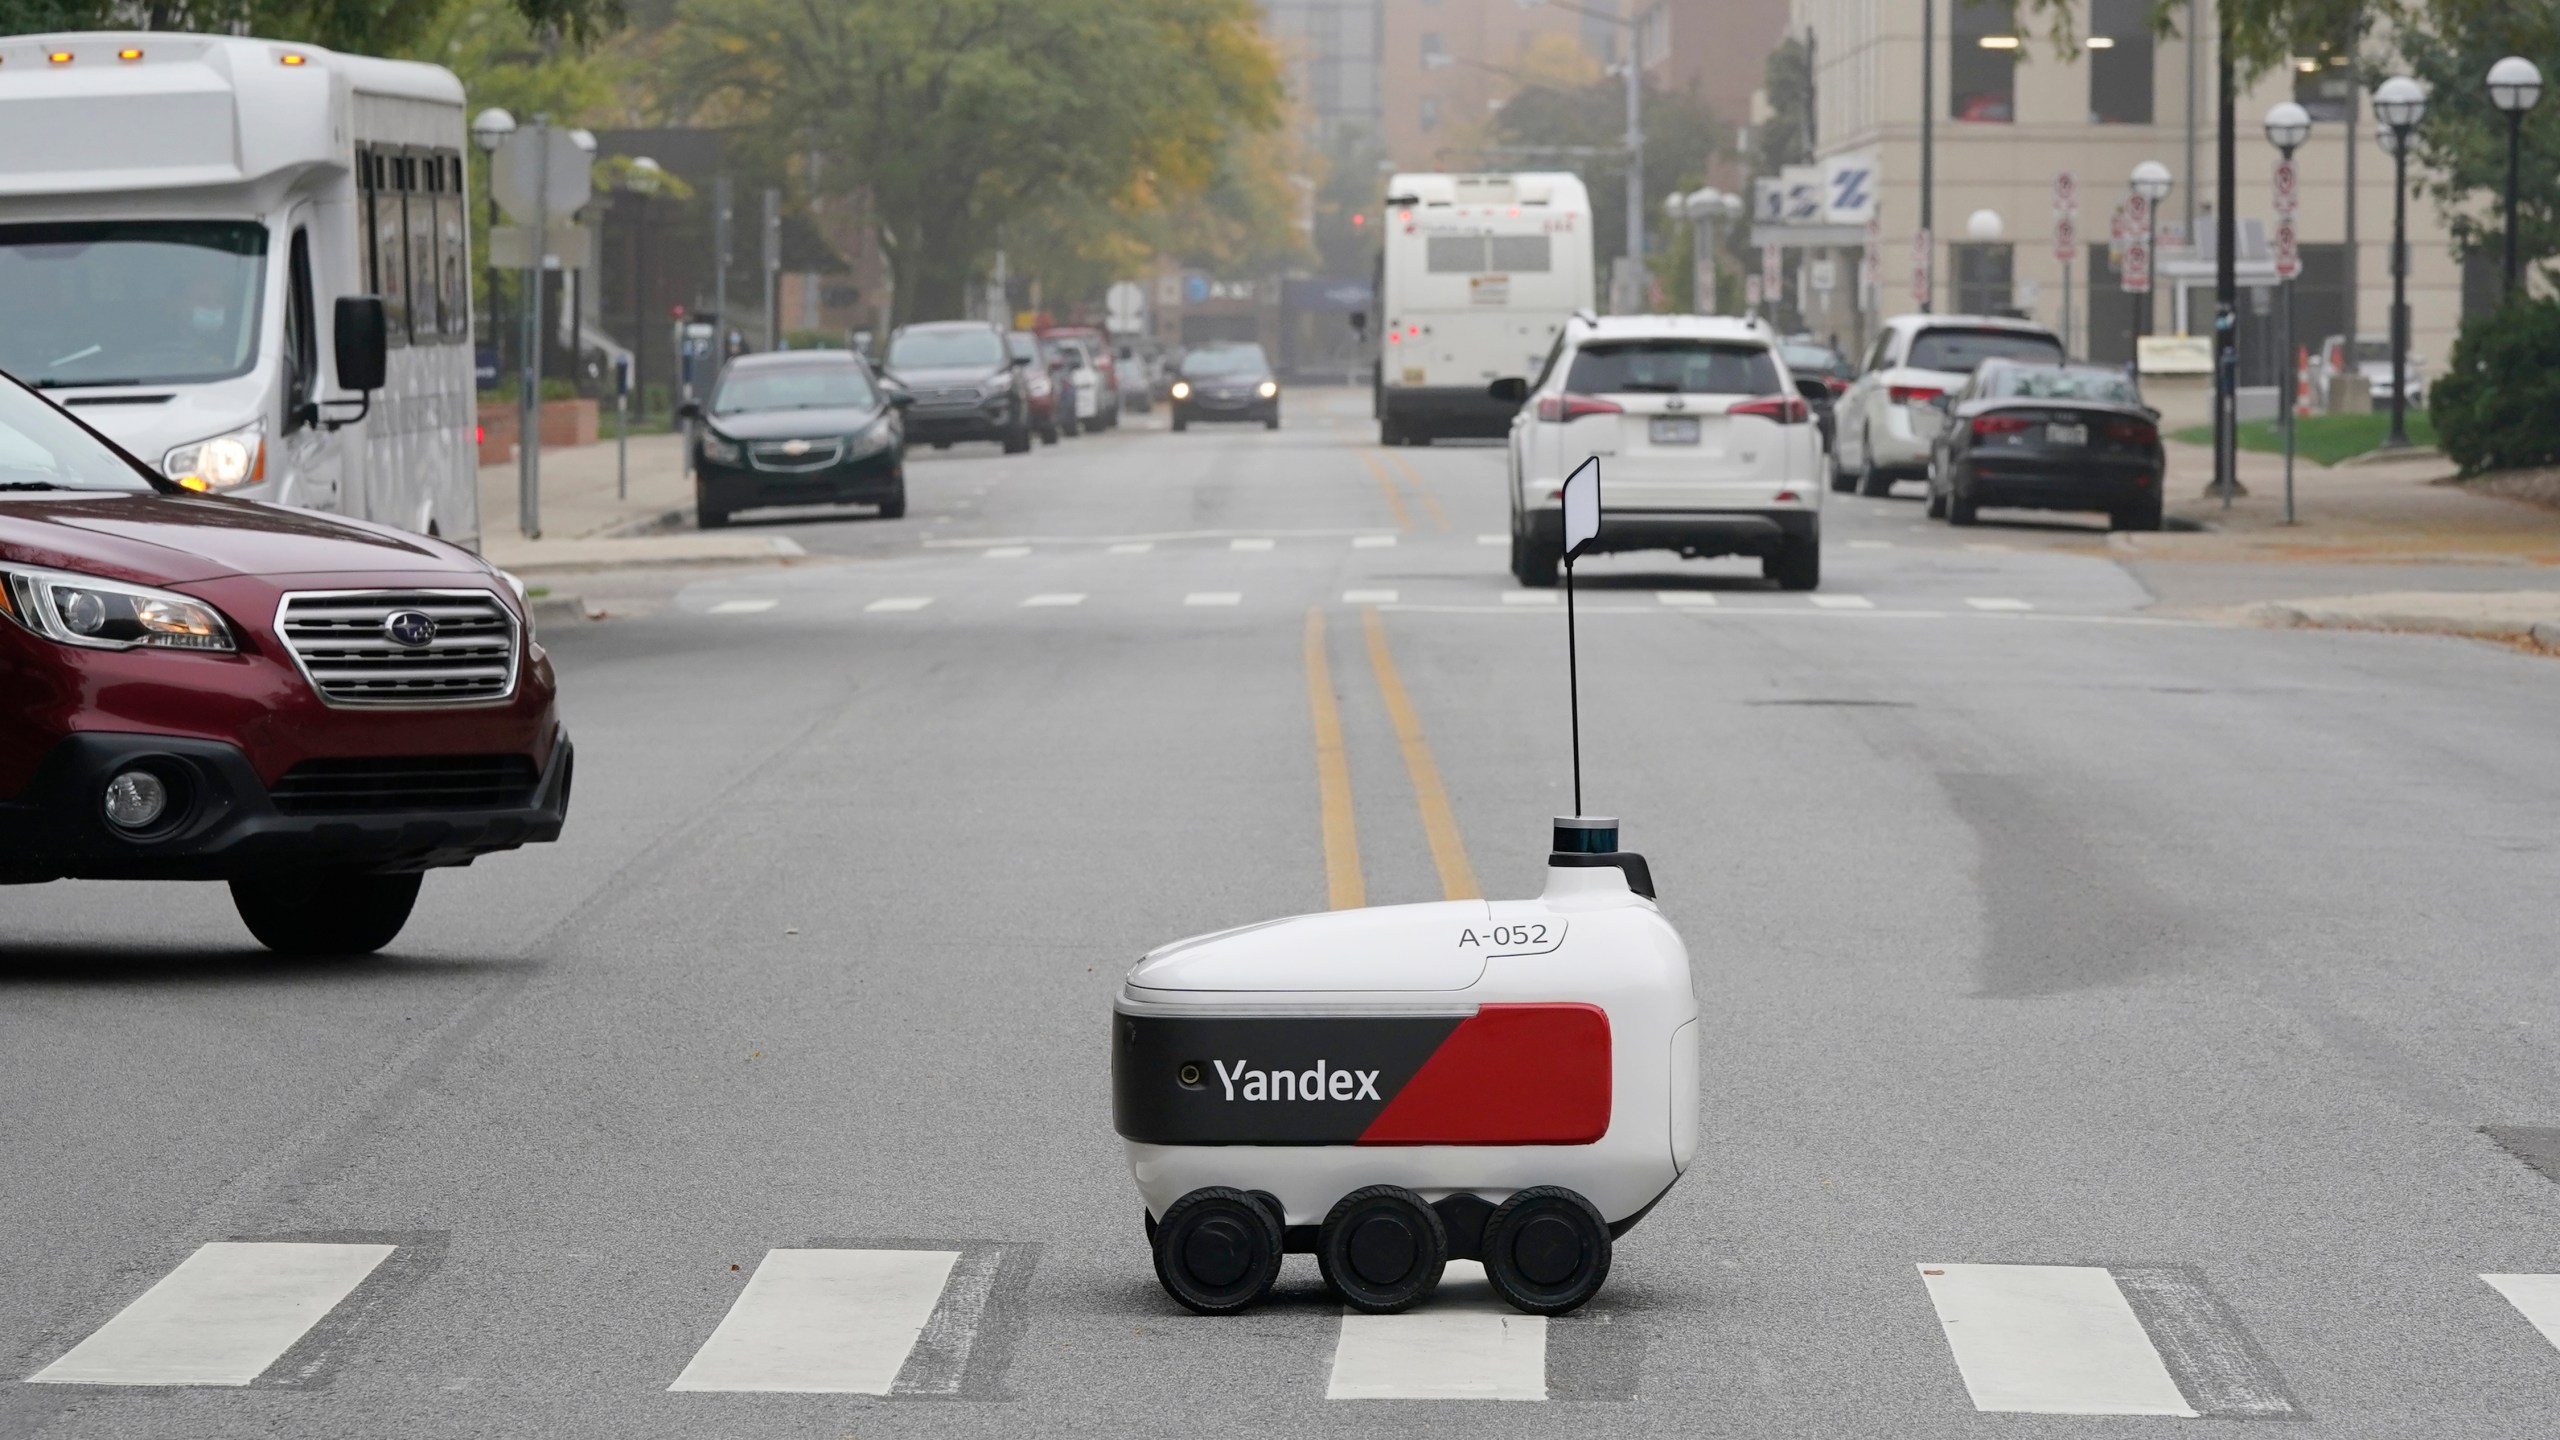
[
  {"x": 1478, "y": 276},
  {"x": 178, "y": 216}
]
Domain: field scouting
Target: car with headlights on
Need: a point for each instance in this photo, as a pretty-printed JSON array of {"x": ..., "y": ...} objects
[
  {"x": 2048, "y": 437},
  {"x": 1226, "y": 382},
  {"x": 316, "y": 710},
  {"x": 797, "y": 427},
  {"x": 966, "y": 381}
]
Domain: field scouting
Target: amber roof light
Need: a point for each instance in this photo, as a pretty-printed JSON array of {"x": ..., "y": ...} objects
[
  {"x": 128, "y": 54},
  {"x": 60, "y": 57}
]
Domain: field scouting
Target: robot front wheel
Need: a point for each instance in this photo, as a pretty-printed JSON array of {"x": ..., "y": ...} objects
[
  {"x": 1546, "y": 1250},
  {"x": 1217, "y": 1249}
]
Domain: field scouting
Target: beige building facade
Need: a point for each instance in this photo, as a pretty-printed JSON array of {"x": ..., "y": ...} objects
[{"x": 2012, "y": 115}]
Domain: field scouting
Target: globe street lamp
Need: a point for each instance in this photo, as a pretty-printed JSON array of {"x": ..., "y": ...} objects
[
  {"x": 2515, "y": 86},
  {"x": 2399, "y": 103},
  {"x": 489, "y": 130},
  {"x": 2288, "y": 126},
  {"x": 2150, "y": 181}
]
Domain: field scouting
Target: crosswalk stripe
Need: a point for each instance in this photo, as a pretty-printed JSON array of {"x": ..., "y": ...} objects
[
  {"x": 1528, "y": 597},
  {"x": 1871, "y": 544},
  {"x": 2536, "y": 1297},
  {"x": 1249, "y": 544},
  {"x": 1037, "y": 602},
  {"x": 1493, "y": 539},
  {"x": 1842, "y": 602},
  {"x": 899, "y": 602},
  {"x": 1368, "y": 597},
  {"x": 1004, "y": 552},
  {"x": 1461, "y": 1344},
  {"x": 1133, "y": 547},
  {"x": 1685, "y": 597},
  {"x": 2050, "y": 1340},
  {"x": 832, "y": 1322},
  {"x": 1372, "y": 542},
  {"x": 1213, "y": 597},
  {"x": 222, "y": 1317},
  {"x": 743, "y": 607},
  {"x": 1998, "y": 602}
]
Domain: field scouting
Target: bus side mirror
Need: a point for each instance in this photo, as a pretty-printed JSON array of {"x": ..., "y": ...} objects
[
  {"x": 1360, "y": 323},
  {"x": 1510, "y": 390},
  {"x": 363, "y": 334}
]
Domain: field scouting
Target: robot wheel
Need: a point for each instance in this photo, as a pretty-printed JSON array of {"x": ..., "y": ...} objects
[
  {"x": 1382, "y": 1249},
  {"x": 1546, "y": 1250},
  {"x": 1217, "y": 1250}
]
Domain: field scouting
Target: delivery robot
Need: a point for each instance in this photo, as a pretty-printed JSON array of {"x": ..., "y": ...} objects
[{"x": 1392, "y": 1088}]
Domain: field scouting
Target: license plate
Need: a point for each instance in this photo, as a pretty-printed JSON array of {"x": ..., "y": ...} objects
[
  {"x": 1674, "y": 430},
  {"x": 2066, "y": 434}
]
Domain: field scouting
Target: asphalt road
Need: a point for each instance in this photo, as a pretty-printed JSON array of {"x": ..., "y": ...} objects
[{"x": 2031, "y": 928}]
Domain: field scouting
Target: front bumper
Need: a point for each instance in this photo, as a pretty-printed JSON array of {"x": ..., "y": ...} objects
[
  {"x": 1248, "y": 406},
  {"x": 939, "y": 425},
  {"x": 226, "y": 823},
  {"x": 870, "y": 480},
  {"x": 1696, "y": 534}
]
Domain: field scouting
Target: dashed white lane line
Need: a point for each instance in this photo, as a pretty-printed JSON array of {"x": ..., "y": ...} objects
[
  {"x": 1870, "y": 544},
  {"x": 1048, "y": 601},
  {"x": 1528, "y": 597},
  {"x": 2536, "y": 1297},
  {"x": 1842, "y": 602},
  {"x": 1685, "y": 597},
  {"x": 222, "y": 1317},
  {"x": 1214, "y": 597},
  {"x": 1004, "y": 552},
  {"x": 1998, "y": 603},
  {"x": 1493, "y": 539},
  {"x": 1249, "y": 544},
  {"x": 1372, "y": 542},
  {"x": 2050, "y": 1340},
  {"x": 1461, "y": 1344},
  {"x": 1133, "y": 547},
  {"x": 899, "y": 602},
  {"x": 831, "y": 1322},
  {"x": 1368, "y": 597},
  {"x": 743, "y": 607}
]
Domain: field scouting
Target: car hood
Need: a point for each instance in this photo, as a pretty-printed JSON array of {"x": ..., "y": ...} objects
[
  {"x": 793, "y": 424},
  {"x": 944, "y": 376},
  {"x": 175, "y": 539}
]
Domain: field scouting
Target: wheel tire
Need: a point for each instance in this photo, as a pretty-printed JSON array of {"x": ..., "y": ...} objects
[
  {"x": 1842, "y": 481},
  {"x": 1179, "y": 423},
  {"x": 706, "y": 518},
  {"x": 1960, "y": 506},
  {"x": 1535, "y": 565},
  {"x": 895, "y": 507},
  {"x": 1390, "y": 434},
  {"x": 1798, "y": 566},
  {"x": 1271, "y": 421},
  {"x": 1546, "y": 1250},
  {"x": 2140, "y": 515},
  {"x": 1872, "y": 483},
  {"x": 1937, "y": 503},
  {"x": 1382, "y": 1249},
  {"x": 1217, "y": 1250},
  {"x": 1017, "y": 441},
  {"x": 1049, "y": 434},
  {"x": 325, "y": 912},
  {"x": 941, "y": 444}
]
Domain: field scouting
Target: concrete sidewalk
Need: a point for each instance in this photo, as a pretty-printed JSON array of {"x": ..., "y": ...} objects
[{"x": 588, "y": 525}]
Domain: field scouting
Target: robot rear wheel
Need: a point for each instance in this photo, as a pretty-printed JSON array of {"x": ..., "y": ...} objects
[
  {"x": 1546, "y": 1250},
  {"x": 1382, "y": 1249},
  {"x": 1217, "y": 1250}
]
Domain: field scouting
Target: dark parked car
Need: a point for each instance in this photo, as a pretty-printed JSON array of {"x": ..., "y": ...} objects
[
  {"x": 966, "y": 381},
  {"x": 1039, "y": 383},
  {"x": 797, "y": 427},
  {"x": 2048, "y": 437},
  {"x": 317, "y": 710},
  {"x": 1226, "y": 382},
  {"x": 1808, "y": 358}
]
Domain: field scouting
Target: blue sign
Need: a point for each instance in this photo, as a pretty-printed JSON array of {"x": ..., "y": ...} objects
[
  {"x": 1195, "y": 288},
  {"x": 484, "y": 360}
]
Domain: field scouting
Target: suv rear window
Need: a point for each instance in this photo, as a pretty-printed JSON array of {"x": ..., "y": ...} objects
[
  {"x": 1673, "y": 367},
  {"x": 1959, "y": 351}
]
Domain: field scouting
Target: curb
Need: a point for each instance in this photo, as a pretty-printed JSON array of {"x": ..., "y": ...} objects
[
  {"x": 548, "y": 609},
  {"x": 2282, "y": 616}
]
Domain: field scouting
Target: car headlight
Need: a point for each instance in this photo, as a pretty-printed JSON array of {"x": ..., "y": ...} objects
[
  {"x": 871, "y": 439},
  {"x": 1267, "y": 389},
  {"x": 720, "y": 450},
  {"x": 1181, "y": 390},
  {"x": 1000, "y": 383},
  {"x": 225, "y": 462},
  {"x": 109, "y": 614}
]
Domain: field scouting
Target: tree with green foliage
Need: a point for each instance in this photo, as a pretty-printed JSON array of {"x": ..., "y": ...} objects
[
  {"x": 2461, "y": 151},
  {"x": 2497, "y": 406},
  {"x": 1681, "y": 135}
]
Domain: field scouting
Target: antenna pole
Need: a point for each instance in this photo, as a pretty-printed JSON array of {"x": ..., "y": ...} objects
[{"x": 1573, "y": 683}]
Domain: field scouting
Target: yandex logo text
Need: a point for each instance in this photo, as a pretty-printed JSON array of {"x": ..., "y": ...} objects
[{"x": 1320, "y": 1083}]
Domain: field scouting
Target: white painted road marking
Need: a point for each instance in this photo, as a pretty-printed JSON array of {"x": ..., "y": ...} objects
[
  {"x": 2050, "y": 1340},
  {"x": 1842, "y": 602},
  {"x": 1134, "y": 547},
  {"x": 743, "y": 607},
  {"x": 1685, "y": 597},
  {"x": 827, "y": 1322},
  {"x": 1999, "y": 602},
  {"x": 2536, "y": 1297},
  {"x": 1037, "y": 602},
  {"x": 1249, "y": 544},
  {"x": 1463, "y": 1343},
  {"x": 1372, "y": 542},
  {"x": 1213, "y": 597},
  {"x": 1368, "y": 597},
  {"x": 900, "y": 602},
  {"x": 1004, "y": 552},
  {"x": 1872, "y": 544},
  {"x": 1493, "y": 539},
  {"x": 222, "y": 1317},
  {"x": 1528, "y": 597}
]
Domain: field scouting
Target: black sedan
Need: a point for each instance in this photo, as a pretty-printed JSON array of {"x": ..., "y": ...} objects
[
  {"x": 2047, "y": 437},
  {"x": 1225, "y": 382},
  {"x": 1810, "y": 359},
  {"x": 798, "y": 427}
]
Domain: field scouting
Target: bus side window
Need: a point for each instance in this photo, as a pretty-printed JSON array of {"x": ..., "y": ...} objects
[
  {"x": 390, "y": 247},
  {"x": 453, "y": 257},
  {"x": 420, "y": 203},
  {"x": 301, "y": 338}
]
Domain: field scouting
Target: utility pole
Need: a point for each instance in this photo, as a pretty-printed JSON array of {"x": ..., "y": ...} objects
[
  {"x": 2226, "y": 259},
  {"x": 2355, "y": 295},
  {"x": 720, "y": 260},
  {"x": 772, "y": 268},
  {"x": 2195, "y": 37},
  {"x": 529, "y": 400},
  {"x": 1929, "y": 147},
  {"x": 1635, "y": 166}
]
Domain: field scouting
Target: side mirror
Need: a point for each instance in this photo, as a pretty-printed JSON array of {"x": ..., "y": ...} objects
[
  {"x": 1360, "y": 323},
  {"x": 1812, "y": 388},
  {"x": 363, "y": 333},
  {"x": 900, "y": 397},
  {"x": 1510, "y": 390},
  {"x": 690, "y": 410}
]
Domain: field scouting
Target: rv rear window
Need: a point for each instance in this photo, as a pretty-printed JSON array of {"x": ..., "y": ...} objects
[
  {"x": 1454, "y": 254},
  {"x": 1520, "y": 254}
]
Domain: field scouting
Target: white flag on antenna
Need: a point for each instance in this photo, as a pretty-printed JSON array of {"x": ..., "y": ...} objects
[{"x": 1581, "y": 506}]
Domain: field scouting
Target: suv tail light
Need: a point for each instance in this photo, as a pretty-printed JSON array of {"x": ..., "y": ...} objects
[
  {"x": 1997, "y": 425},
  {"x": 1835, "y": 384},
  {"x": 1785, "y": 409},
  {"x": 2133, "y": 432},
  {"x": 1912, "y": 394},
  {"x": 1574, "y": 407}
]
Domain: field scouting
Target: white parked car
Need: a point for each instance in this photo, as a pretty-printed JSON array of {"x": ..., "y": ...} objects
[
  {"x": 1884, "y": 427},
  {"x": 2373, "y": 363},
  {"x": 1707, "y": 446}
]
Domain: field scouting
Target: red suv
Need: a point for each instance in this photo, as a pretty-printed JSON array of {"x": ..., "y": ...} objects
[{"x": 192, "y": 687}]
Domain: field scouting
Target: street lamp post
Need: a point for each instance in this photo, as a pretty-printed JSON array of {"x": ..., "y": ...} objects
[
  {"x": 2288, "y": 126},
  {"x": 2151, "y": 181},
  {"x": 2399, "y": 103},
  {"x": 489, "y": 130},
  {"x": 641, "y": 180},
  {"x": 2515, "y": 87}
]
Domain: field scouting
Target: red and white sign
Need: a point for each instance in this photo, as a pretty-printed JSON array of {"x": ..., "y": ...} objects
[
  {"x": 2136, "y": 267},
  {"x": 2066, "y": 193},
  {"x": 1923, "y": 249},
  {"x": 1771, "y": 273},
  {"x": 2288, "y": 253},
  {"x": 2288, "y": 190},
  {"x": 2066, "y": 239},
  {"x": 1750, "y": 292},
  {"x": 1871, "y": 265}
]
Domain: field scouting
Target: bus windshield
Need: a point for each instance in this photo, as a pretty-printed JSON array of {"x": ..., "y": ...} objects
[{"x": 130, "y": 302}]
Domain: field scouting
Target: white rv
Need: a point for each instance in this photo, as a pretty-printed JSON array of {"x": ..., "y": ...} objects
[
  {"x": 178, "y": 215},
  {"x": 1477, "y": 279}
]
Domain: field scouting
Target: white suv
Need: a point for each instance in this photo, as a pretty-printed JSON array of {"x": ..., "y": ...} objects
[
  {"x": 1706, "y": 445},
  {"x": 1883, "y": 428}
]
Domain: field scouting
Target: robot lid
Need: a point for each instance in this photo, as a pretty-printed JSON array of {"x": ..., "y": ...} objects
[{"x": 1389, "y": 947}]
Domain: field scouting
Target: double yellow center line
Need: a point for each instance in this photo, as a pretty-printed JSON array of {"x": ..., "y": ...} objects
[
  {"x": 1395, "y": 497},
  {"x": 1344, "y": 886}
]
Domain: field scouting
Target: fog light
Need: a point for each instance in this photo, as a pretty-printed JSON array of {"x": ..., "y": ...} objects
[{"x": 136, "y": 799}]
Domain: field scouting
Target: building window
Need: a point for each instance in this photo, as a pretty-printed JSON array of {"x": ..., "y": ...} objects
[
  {"x": 2325, "y": 84},
  {"x": 1982, "y": 62},
  {"x": 2119, "y": 62},
  {"x": 1432, "y": 48},
  {"x": 1983, "y": 283},
  {"x": 1430, "y": 113}
]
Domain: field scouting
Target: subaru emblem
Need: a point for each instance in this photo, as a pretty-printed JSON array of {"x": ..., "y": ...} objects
[{"x": 410, "y": 629}]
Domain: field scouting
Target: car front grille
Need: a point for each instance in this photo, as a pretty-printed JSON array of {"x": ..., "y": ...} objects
[
  {"x": 407, "y": 782},
  {"x": 948, "y": 399},
  {"x": 345, "y": 649},
  {"x": 778, "y": 454}
]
